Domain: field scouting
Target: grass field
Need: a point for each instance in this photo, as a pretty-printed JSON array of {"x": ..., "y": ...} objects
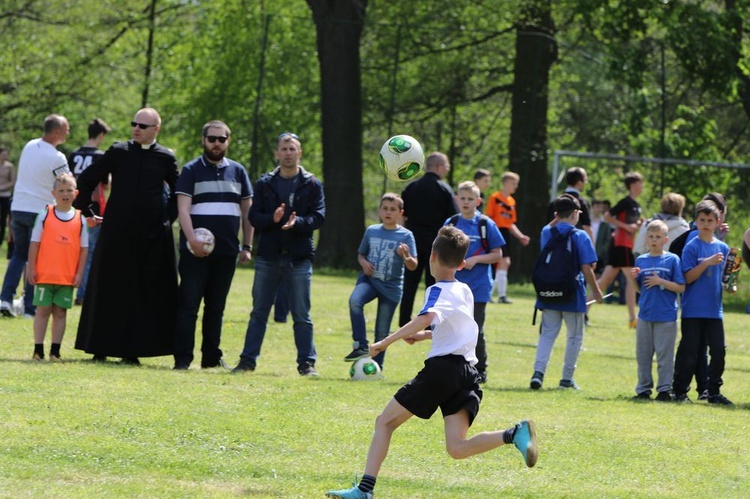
[{"x": 79, "y": 429}]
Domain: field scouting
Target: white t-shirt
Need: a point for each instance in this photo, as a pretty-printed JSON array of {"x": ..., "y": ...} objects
[
  {"x": 454, "y": 331},
  {"x": 39, "y": 164},
  {"x": 36, "y": 232}
]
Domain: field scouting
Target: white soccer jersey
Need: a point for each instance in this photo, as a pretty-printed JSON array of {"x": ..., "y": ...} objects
[
  {"x": 39, "y": 164},
  {"x": 454, "y": 331}
]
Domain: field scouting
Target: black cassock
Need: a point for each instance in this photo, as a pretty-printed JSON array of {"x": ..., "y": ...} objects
[{"x": 131, "y": 297}]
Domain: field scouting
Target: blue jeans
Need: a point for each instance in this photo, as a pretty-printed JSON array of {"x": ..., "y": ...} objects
[
  {"x": 364, "y": 292},
  {"x": 202, "y": 279},
  {"x": 93, "y": 238},
  {"x": 296, "y": 277},
  {"x": 21, "y": 223}
]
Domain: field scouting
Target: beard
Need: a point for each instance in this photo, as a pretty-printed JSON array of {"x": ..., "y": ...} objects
[{"x": 213, "y": 156}]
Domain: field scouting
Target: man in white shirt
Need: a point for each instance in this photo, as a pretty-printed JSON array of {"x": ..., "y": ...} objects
[{"x": 39, "y": 164}]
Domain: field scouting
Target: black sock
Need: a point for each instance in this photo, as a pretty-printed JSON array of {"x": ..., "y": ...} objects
[
  {"x": 367, "y": 484},
  {"x": 39, "y": 349},
  {"x": 509, "y": 434},
  {"x": 55, "y": 350}
]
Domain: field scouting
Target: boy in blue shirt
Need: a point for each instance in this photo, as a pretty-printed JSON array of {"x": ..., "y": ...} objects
[
  {"x": 702, "y": 311},
  {"x": 385, "y": 250},
  {"x": 658, "y": 277},
  {"x": 483, "y": 252},
  {"x": 567, "y": 210}
]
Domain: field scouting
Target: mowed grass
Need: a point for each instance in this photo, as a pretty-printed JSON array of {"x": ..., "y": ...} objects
[{"x": 79, "y": 429}]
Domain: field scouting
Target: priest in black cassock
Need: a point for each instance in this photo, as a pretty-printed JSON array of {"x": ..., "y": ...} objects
[{"x": 131, "y": 299}]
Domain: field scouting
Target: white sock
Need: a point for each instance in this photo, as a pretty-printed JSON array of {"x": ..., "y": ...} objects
[{"x": 501, "y": 282}]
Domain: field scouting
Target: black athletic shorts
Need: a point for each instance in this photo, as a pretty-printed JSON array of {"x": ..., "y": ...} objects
[
  {"x": 448, "y": 382},
  {"x": 508, "y": 241},
  {"x": 620, "y": 256}
]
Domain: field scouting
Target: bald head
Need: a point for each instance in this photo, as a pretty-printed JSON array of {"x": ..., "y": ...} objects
[
  {"x": 149, "y": 118},
  {"x": 56, "y": 129}
]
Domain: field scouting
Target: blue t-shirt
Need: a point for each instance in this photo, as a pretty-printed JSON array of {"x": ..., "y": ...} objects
[
  {"x": 702, "y": 297},
  {"x": 379, "y": 246},
  {"x": 586, "y": 255},
  {"x": 656, "y": 304},
  {"x": 479, "y": 278}
]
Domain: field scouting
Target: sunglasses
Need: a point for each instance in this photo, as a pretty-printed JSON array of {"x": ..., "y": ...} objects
[
  {"x": 288, "y": 134},
  {"x": 214, "y": 138},
  {"x": 142, "y": 126}
]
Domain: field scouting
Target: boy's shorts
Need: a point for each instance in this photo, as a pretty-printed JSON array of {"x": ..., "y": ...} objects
[
  {"x": 620, "y": 256},
  {"x": 448, "y": 382},
  {"x": 508, "y": 241},
  {"x": 46, "y": 295}
]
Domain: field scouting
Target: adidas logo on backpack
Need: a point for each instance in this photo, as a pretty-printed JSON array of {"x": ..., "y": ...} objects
[{"x": 556, "y": 269}]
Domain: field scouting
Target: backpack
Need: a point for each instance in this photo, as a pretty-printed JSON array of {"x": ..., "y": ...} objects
[
  {"x": 482, "y": 230},
  {"x": 556, "y": 269}
]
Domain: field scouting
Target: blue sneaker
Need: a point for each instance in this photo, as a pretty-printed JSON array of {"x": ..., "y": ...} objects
[
  {"x": 525, "y": 442},
  {"x": 353, "y": 493}
]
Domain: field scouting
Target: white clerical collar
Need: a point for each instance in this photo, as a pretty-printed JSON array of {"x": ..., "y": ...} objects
[{"x": 148, "y": 146}]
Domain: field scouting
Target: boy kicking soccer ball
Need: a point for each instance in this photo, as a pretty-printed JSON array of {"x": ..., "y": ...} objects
[{"x": 448, "y": 380}]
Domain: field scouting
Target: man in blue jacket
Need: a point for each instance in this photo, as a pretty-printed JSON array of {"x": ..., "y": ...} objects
[{"x": 288, "y": 206}]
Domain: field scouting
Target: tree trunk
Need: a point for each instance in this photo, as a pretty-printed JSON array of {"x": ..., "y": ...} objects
[
  {"x": 536, "y": 51},
  {"x": 339, "y": 26}
]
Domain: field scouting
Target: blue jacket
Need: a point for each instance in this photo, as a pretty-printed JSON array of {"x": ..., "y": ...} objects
[{"x": 309, "y": 205}]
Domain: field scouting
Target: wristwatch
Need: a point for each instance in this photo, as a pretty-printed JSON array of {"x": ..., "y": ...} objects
[{"x": 247, "y": 247}]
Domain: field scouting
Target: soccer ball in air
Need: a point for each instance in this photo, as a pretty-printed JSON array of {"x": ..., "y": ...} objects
[
  {"x": 365, "y": 369},
  {"x": 401, "y": 158},
  {"x": 206, "y": 237}
]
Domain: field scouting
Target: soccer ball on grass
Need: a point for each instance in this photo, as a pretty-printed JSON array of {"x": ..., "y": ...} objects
[
  {"x": 365, "y": 369},
  {"x": 401, "y": 158}
]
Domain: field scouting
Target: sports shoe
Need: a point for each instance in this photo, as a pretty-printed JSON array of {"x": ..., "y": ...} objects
[
  {"x": 719, "y": 399},
  {"x": 99, "y": 358},
  {"x": 663, "y": 397},
  {"x": 7, "y": 309},
  {"x": 356, "y": 354},
  {"x": 219, "y": 363},
  {"x": 37, "y": 357},
  {"x": 703, "y": 395},
  {"x": 353, "y": 493},
  {"x": 643, "y": 396},
  {"x": 505, "y": 300},
  {"x": 525, "y": 441},
  {"x": 482, "y": 377},
  {"x": 244, "y": 366},
  {"x": 54, "y": 358},
  {"x": 307, "y": 369},
  {"x": 682, "y": 398},
  {"x": 181, "y": 366},
  {"x": 568, "y": 383},
  {"x": 536, "y": 380}
]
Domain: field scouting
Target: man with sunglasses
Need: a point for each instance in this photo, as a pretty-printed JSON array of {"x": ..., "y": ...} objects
[
  {"x": 131, "y": 298},
  {"x": 213, "y": 192},
  {"x": 288, "y": 207}
]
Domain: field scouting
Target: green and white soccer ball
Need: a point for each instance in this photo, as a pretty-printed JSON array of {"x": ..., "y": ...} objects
[
  {"x": 401, "y": 158},
  {"x": 365, "y": 369}
]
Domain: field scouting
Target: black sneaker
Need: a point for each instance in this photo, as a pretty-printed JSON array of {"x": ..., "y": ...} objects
[
  {"x": 218, "y": 363},
  {"x": 505, "y": 300},
  {"x": 307, "y": 369},
  {"x": 536, "y": 380},
  {"x": 703, "y": 395},
  {"x": 356, "y": 354},
  {"x": 663, "y": 397},
  {"x": 643, "y": 396},
  {"x": 482, "y": 377},
  {"x": 719, "y": 399},
  {"x": 181, "y": 366},
  {"x": 568, "y": 383},
  {"x": 99, "y": 358},
  {"x": 244, "y": 366},
  {"x": 682, "y": 398}
]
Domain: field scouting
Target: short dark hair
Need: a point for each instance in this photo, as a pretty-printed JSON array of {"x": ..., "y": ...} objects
[
  {"x": 707, "y": 208},
  {"x": 216, "y": 124},
  {"x": 631, "y": 178},
  {"x": 719, "y": 200},
  {"x": 97, "y": 127},
  {"x": 481, "y": 173},
  {"x": 575, "y": 175},
  {"x": 394, "y": 198},
  {"x": 450, "y": 246}
]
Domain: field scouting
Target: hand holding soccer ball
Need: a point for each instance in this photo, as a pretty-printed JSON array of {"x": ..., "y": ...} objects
[{"x": 203, "y": 243}]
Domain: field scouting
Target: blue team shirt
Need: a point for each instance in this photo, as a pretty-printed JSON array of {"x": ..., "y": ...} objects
[
  {"x": 586, "y": 254},
  {"x": 656, "y": 304},
  {"x": 702, "y": 297},
  {"x": 379, "y": 246},
  {"x": 479, "y": 278}
]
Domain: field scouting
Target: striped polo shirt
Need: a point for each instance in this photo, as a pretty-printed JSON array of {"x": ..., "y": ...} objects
[{"x": 216, "y": 192}]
